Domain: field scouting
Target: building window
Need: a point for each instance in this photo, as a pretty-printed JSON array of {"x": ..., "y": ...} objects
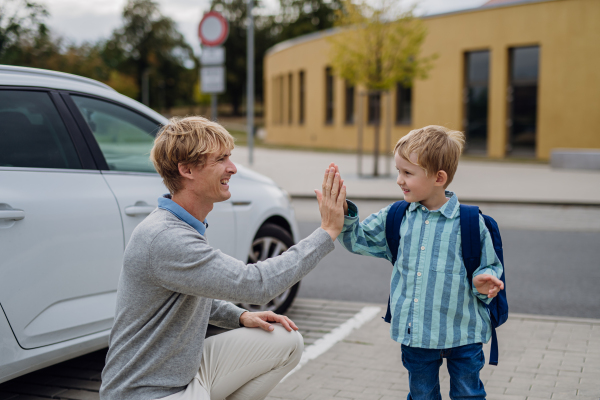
[
  {"x": 524, "y": 66},
  {"x": 403, "y": 104},
  {"x": 290, "y": 97},
  {"x": 281, "y": 99},
  {"x": 349, "y": 104},
  {"x": 329, "y": 98},
  {"x": 301, "y": 96},
  {"x": 274, "y": 102},
  {"x": 477, "y": 72},
  {"x": 374, "y": 108}
]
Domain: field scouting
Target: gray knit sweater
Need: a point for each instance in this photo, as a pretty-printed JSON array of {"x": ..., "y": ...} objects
[{"x": 172, "y": 285}]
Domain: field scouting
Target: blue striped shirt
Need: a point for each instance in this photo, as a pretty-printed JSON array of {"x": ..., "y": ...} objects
[{"x": 432, "y": 304}]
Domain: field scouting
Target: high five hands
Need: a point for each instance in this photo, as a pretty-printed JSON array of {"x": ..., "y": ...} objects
[
  {"x": 332, "y": 201},
  {"x": 488, "y": 284}
]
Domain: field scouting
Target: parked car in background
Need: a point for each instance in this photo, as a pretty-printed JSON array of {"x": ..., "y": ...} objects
[{"x": 75, "y": 180}]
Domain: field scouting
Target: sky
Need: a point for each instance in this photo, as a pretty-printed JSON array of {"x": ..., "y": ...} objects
[{"x": 91, "y": 20}]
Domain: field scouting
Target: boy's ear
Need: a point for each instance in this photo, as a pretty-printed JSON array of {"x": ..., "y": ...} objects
[{"x": 441, "y": 178}]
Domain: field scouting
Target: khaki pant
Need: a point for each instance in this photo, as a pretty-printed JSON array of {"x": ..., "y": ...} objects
[{"x": 245, "y": 363}]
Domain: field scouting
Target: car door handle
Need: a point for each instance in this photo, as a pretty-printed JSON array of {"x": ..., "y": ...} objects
[
  {"x": 10, "y": 214},
  {"x": 140, "y": 208}
]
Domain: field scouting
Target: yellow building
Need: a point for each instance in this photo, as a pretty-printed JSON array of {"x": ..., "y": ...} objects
[{"x": 520, "y": 78}]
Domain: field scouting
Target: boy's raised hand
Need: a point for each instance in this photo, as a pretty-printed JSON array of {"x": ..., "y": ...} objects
[
  {"x": 488, "y": 284},
  {"x": 331, "y": 201}
]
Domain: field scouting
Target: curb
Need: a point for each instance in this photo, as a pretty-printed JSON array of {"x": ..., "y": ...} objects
[
  {"x": 466, "y": 201},
  {"x": 553, "y": 318}
]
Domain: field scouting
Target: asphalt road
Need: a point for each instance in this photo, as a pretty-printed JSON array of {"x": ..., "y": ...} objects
[{"x": 551, "y": 268}]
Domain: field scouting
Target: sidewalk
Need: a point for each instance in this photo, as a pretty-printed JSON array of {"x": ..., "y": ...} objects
[
  {"x": 540, "y": 358},
  {"x": 300, "y": 172}
]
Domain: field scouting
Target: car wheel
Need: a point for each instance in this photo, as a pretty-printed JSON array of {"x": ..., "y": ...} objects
[{"x": 270, "y": 241}]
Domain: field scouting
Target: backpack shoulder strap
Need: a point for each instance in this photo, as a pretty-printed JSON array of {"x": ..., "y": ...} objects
[
  {"x": 471, "y": 248},
  {"x": 471, "y": 242},
  {"x": 392, "y": 236},
  {"x": 392, "y": 226}
]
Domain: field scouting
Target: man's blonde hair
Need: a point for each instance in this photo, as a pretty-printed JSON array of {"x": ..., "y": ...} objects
[
  {"x": 437, "y": 149},
  {"x": 188, "y": 141}
]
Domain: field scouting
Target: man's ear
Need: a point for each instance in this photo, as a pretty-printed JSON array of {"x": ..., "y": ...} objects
[
  {"x": 441, "y": 178},
  {"x": 185, "y": 170}
]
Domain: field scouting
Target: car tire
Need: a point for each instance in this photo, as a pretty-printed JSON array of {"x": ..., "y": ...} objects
[{"x": 270, "y": 241}]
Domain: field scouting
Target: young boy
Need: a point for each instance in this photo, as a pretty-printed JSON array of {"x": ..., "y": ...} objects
[{"x": 435, "y": 313}]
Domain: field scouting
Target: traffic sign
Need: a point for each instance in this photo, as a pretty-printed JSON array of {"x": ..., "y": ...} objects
[
  {"x": 212, "y": 55},
  {"x": 213, "y": 29},
  {"x": 212, "y": 79}
]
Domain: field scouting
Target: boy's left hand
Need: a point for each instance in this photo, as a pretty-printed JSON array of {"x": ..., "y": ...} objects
[{"x": 488, "y": 284}]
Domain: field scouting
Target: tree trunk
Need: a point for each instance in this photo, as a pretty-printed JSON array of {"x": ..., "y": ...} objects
[{"x": 376, "y": 144}]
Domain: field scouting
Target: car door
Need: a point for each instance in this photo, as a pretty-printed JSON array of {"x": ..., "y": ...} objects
[
  {"x": 124, "y": 137},
  {"x": 60, "y": 229}
]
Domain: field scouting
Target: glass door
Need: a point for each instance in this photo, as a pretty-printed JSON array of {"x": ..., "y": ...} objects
[
  {"x": 477, "y": 71},
  {"x": 523, "y": 98}
]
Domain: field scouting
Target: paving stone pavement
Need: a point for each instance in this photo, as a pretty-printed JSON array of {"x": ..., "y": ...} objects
[
  {"x": 540, "y": 358},
  {"x": 79, "y": 378}
]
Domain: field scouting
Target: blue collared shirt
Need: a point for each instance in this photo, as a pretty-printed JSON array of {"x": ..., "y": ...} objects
[
  {"x": 431, "y": 301},
  {"x": 166, "y": 203}
]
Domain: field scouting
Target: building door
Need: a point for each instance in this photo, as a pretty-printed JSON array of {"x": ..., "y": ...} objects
[
  {"x": 477, "y": 71},
  {"x": 522, "y": 98}
]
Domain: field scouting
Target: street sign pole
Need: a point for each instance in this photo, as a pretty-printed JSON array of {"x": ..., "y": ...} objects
[
  {"x": 250, "y": 84},
  {"x": 213, "y": 107}
]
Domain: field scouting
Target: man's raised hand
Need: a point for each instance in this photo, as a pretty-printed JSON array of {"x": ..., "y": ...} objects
[{"x": 331, "y": 201}]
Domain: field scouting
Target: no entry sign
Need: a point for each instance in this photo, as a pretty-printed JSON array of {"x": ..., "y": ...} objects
[{"x": 213, "y": 29}]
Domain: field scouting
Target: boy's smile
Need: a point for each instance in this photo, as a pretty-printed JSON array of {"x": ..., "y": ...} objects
[{"x": 417, "y": 186}]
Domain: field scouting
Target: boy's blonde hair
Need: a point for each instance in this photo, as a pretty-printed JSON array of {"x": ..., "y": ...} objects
[
  {"x": 437, "y": 149},
  {"x": 188, "y": 141}
]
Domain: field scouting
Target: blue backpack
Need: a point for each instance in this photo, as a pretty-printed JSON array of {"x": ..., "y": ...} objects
[{"x": 471, "y": 253}]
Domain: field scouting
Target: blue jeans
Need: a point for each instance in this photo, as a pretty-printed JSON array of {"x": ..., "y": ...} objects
[{"x": 464, "y": 364}]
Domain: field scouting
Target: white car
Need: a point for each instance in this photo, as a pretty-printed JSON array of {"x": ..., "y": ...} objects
[{"x": 75, "y": 180}]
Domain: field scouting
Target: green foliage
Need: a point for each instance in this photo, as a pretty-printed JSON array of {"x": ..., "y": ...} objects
[
  {"x": 300, "y": 17},
  {"x": 296, "y": 17},
  {"x": 147, "y": 41},
  {"x": 379, "y": 46},
  {"x": 19, "y": 20},
  {"x": 150, "y": 42}
]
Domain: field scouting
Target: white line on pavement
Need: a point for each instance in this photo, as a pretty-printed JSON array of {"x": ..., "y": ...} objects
[{"x": 326, "y": 342}]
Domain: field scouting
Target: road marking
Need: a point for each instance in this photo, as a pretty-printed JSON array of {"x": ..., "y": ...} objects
[{"x": 326, "y": 342}]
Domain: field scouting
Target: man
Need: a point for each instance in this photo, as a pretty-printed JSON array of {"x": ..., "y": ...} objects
[{"x": 173, "y": 284}]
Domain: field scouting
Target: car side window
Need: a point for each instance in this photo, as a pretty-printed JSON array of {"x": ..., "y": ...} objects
[
  {"x": 124, "y": 136},
  {"x": 32, "y": 133}
]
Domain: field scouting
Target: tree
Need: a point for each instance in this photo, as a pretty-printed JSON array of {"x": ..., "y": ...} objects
[
  {"x": 378, "y": 47},
  {"x": 296, "y": 17},
  {"x": 149, "y": 44},
  {"x": 19, "y": 20},
  {"x": 300, "y": 17},
  {"x": 235, "y": 11}
]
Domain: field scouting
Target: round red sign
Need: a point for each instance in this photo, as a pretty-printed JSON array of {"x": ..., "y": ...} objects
[{"x": 213, "y": 29}]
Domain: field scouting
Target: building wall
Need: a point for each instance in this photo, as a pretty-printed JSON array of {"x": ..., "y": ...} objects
[{"x": 568, "y": 114}]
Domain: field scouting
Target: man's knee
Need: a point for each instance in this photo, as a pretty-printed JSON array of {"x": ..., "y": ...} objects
[{"x": 292, "y": 342}]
